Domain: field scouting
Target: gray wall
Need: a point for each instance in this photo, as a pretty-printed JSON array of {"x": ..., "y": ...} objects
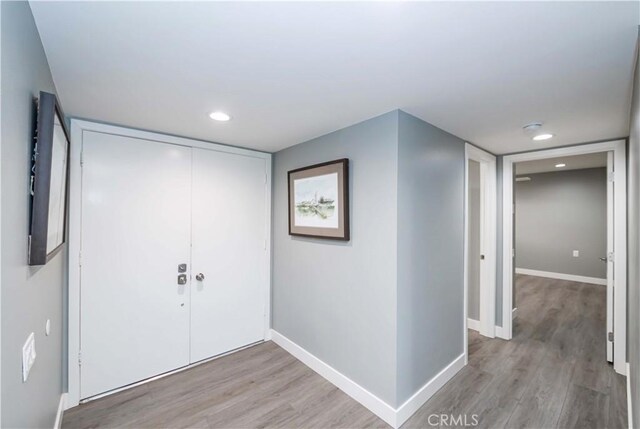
[
  {"x": 558, "y": 212},
  {"x": 430, "y": 252},
  {"x": 338, "y": 300},
  {"x": 473, "y": 210},
  {"x": 29, "y": 295},
  {"x": 633, "y": 332}
]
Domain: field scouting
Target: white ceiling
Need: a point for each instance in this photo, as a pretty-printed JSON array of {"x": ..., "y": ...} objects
[
  {"x": 575, "y": 162},
  {"x": 288, "y": 72}
]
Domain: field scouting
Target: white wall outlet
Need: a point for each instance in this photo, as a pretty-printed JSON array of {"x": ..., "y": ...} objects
[
  {"x": 576, "y": 253},
  {"x": 28, "y": 356}
]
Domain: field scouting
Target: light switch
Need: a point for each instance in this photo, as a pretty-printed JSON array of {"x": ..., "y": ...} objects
[
  {"x": 28, "y": 356},
  {"x": 576, "y": 253}
]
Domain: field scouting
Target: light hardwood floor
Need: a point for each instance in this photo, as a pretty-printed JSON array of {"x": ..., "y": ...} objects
[{"x": 552, "y": 374}]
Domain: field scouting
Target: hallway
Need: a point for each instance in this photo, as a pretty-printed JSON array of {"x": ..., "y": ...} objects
[{"x": 552, "y": 374}]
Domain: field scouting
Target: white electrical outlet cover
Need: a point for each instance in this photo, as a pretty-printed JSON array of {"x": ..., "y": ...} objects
[
  {"x": 28, "y": 356},
  {"x": 576, "y": 253}
]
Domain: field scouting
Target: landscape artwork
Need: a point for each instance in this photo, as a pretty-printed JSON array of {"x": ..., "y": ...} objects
[
  {"x": 319, "y": 200},
  {"x": 316, "y": 201}
]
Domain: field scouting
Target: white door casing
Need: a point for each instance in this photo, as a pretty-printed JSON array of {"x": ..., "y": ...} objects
[
  {"x": 488, "y": 240},
  {"x": 619, "y": 226},
  {"x": 610, "y": 250},
  {"x": 135, "y": 232},
  {"x": 228, "y": 247}
]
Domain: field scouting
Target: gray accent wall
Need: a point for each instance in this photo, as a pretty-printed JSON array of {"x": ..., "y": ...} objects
[
  {"x": 430, "y": 252},
  {"x": 633, "y": 206},
  {"x": 558, "y": 212},
  {"x": 30, "y": 295},
  {"x": 337, "y": 300},
  {"x": 386, "y": 308},
  {"x": 473, "y": 212}
]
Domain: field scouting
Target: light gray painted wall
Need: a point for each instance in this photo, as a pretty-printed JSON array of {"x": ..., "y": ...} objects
[
  {"x": 430, "y": 252},
  {"x": 29, "y": 295},
  {"x": 338, "y": 300},
  {"x": 633, "y": 190},
  {"x": 473, "y": 293},
  {"x": 559, "y": 212}
]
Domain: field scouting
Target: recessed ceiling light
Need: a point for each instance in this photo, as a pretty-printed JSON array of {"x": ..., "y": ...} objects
[
  {"x": 219, "y": 116},
  {"x": 560, "y": 165},
  {"x": 542, "y": 137}
]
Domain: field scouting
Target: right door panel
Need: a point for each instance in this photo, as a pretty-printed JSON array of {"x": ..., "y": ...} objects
[{"x": 229, "y": 268}]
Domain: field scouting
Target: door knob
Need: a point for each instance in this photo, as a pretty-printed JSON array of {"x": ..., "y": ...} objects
[
  {"x": 199, "y": 277},
  {"x": 603, "y": 259}
]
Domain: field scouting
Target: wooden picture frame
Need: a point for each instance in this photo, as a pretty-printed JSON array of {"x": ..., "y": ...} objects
[
  {"x": 49, "y": 182},
  {"x": 319, "y": 200}
]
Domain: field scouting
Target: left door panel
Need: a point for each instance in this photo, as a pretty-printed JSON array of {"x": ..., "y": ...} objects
[{"x": 136, "y": 208}]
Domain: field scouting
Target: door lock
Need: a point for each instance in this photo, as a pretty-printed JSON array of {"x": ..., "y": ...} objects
[
  {"x": 182, "y": 279},
  {"x": 182, "y": 268}
]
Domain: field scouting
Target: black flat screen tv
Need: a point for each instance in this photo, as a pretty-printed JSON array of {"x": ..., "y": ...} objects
[{"x": 49, "y": 182}]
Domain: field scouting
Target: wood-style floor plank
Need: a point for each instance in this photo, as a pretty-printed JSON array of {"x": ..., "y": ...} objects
[
  {"x": 584, "y": 409},
  {"x": 556, "y": 359},
  {"x": 552, "y": 374}
]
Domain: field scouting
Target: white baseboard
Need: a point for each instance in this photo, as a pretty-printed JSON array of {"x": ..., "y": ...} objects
[
  {"x": 61, "y": 403},
  {"x": 473, "y": 324},
  {"x": 394, "y": 417},
  {"x": 412, "y": 404},
  {"x": 561, "y": 276},
  {"x": 629, "y": 401},
  {"x": 376, "y": 405}
]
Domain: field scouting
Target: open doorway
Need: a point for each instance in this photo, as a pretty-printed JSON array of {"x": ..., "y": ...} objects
[
  {"x": 480, "y": 242},
  {"x": 564, "y": 245}
]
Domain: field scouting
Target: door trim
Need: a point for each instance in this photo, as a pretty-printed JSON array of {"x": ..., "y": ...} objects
[
  {"x": 488, "y": 184},
  {"x": 75, "y": 227},
  {"x": 618, "y": 147}
]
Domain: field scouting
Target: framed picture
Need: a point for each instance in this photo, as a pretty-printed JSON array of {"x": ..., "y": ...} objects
[
  {"x": 319, "y": 200},
  {"x": 49, "y": 177}
]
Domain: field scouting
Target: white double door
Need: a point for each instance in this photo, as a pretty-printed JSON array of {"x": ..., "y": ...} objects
[{"x": 148, "y": 207}]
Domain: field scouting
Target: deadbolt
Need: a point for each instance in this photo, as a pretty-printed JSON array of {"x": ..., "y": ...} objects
[
  {"x": 199, "y": 277},
  {"x": 182, "y": 268},
  {"x": 182, "y": 279}
]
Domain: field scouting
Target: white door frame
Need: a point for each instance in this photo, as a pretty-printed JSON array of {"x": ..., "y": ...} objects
[
  {"x": 75, "y": 228},
  {"x": 488, "y": 240},
  {"x": 618, "y": 147}
]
